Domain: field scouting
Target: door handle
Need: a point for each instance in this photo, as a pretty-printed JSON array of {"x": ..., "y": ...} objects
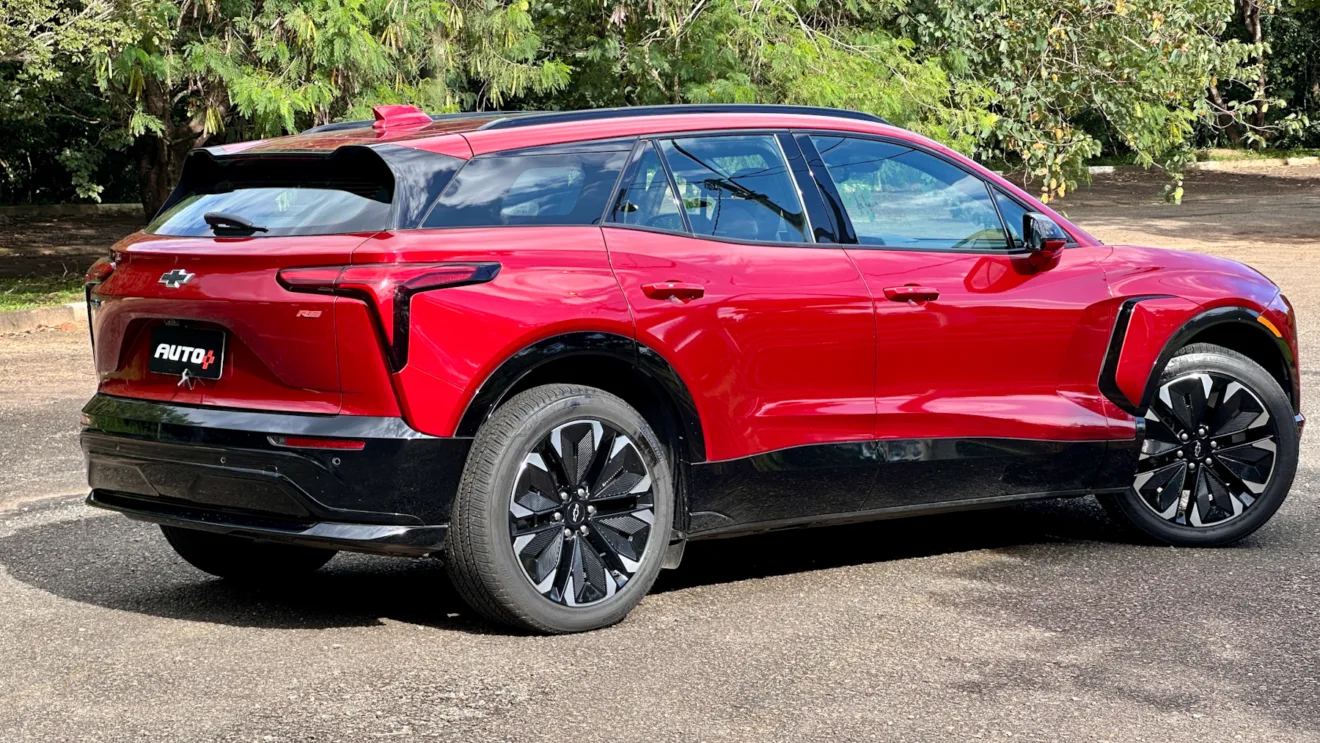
[
  {"x": 911, "y": 293},
  {"x": 673, "y": 290}
]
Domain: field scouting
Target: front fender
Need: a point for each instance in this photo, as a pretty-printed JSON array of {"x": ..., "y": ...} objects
[
  {"x": 1168, "y": 297},
  {"x": 1149, "y": 330}
]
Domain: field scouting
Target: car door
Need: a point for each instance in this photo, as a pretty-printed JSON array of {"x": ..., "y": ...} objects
[
  {"x": 986, "y": 366},
  {"x": 772, "y": 333}
]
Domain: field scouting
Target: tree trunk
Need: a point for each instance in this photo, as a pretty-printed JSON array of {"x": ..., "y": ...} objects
[
  {"x": 1251, "y": 10},
  {"x": 160, "y": 157},
  {"x": 1226, "y": 121}
]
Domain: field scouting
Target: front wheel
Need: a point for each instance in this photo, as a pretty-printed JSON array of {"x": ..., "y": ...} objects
[
  {"x": 1219, "y": 455},
  {"x": 563, "y": 514}
]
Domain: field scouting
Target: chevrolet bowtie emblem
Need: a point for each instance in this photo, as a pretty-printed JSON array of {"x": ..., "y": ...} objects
[{"x": 176, "y": 278}]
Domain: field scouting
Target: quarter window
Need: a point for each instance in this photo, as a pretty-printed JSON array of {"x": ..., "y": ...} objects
[
  {"x": 529, "y": 189},
  {"x": 646, "y": 200},
  {"x": 736, "y": 187},
  {"x": 1012, "y": 212},
  {"x": 900, "y": 197}
]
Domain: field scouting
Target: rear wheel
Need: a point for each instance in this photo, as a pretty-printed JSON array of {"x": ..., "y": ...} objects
[
  {"x": 241, "y": 559},
  {"x": 562, "y": 517},
  {"x": 1219, "y": 455}
]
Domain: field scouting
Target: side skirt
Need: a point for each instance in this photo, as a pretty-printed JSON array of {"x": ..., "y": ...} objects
[
  {"x": 894, "y": 512},
  {"x": 858, "y": 481}
]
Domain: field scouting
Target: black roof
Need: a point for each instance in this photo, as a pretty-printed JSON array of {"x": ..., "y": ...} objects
[{"x": 514, "y": 119}]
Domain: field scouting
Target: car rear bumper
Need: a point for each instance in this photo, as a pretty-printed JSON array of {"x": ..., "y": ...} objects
[
  {"x": 225, "y": 470},
  {"x": 380, "y": 539}
]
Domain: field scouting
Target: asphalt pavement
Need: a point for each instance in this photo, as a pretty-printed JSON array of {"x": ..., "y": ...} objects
[{"x": 1037, "y": 622}]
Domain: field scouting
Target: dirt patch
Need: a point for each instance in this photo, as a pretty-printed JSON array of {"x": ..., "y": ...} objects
[
  {"x": 58, "y": 246},
  {"x": 1268, "y": 218}
]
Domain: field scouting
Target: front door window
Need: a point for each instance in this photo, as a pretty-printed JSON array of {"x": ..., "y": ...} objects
[{"x": 899, "y": 197}]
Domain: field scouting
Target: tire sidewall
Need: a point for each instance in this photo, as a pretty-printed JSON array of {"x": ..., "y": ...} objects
[
  {"x": 1285, "y": 460},
  {"x": 493, "y": 496}
]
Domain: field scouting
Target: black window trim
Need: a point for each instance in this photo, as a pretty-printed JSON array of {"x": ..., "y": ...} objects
[
  {"x": 813, "y": 206},
  {"x": 673, "y": 184},
  {"x": 634, "y": 155},
  {"x": 1010, "y": 244}
]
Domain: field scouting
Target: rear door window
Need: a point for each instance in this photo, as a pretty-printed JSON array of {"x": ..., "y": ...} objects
[
  {"x": 529, "y": 189},
  {"x": 737, "y": 187}
]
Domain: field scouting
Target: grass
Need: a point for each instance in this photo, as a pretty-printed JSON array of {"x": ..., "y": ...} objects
[{"x": 39, "y": 291}]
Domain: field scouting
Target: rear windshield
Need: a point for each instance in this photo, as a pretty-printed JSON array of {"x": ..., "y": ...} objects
[
  {"x": 289, "y": 195},
  {"x": 281, "y": 211},
  {"x": 529, "y": 189}
]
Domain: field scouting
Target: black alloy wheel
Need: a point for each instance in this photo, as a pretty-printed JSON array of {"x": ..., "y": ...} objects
[
  {"x": 1219, "y": 454},
  {"x": 580, "y": 512},
  {"x": 1210, "y": 450},
  {"x": 564, "y": 513}
]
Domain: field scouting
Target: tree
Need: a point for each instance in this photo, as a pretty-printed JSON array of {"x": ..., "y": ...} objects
[
  {"x": 1067, "y": 75},
  {"x": 812, "y": 52},
  {"x": 1049, "y": 84},
  {"x": 178, "y": 74}
]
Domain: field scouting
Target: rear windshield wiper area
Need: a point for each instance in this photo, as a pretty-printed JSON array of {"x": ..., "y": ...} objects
[{"x": 229, "y": 223}]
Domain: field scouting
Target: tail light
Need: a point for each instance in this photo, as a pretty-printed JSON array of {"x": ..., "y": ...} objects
[
  {"x": 389, "y": 288},
  {"x": 100, "y": 270},
  {"x": 96, "y": 274}
]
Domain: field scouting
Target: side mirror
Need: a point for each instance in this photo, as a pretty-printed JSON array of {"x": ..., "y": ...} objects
[{"x": 1043, "y": 237}]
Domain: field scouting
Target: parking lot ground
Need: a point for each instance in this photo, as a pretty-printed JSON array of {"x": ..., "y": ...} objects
[{"x": 1037, "y": 622}]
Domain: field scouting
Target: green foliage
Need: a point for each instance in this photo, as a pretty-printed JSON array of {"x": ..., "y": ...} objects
[
  {"x": 1136, "y": 70},
  {"x": 1044, "y": 84},
  {"x": 1294, "y": 72}
]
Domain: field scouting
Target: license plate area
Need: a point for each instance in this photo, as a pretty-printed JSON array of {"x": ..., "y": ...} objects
[{"x": 176, "y": 349}]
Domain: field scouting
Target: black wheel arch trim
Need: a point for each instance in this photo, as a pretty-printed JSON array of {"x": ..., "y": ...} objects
[
  {"x": 659, "y": 372},
  {"x": 1235, "y": 315}
]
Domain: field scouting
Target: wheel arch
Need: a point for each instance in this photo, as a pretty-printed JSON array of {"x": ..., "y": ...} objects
[
  {"x": 1234, "y": 327},
  {"x": 609, "y": 361}
]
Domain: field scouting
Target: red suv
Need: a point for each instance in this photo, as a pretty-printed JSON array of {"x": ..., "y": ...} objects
[{"x": 553, "y": 347}]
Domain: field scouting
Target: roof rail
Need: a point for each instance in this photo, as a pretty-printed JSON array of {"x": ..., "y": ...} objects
[
  {"x": 564, "y": 117},
  {"x": 344, "y": 125}
]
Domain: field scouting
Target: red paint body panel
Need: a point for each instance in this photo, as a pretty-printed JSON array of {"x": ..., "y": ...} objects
[
  {"x": 1206, "y": 280},
  {"x": 779, "y": 346},
  {"x": 274, "y": 359},
  {"x": 1153, "y": 322},
  {"x": 552, "y": 280},
  {"x": 1201, "y": 283},
  {"x": 779, "y": 350},
  {"x": 328, "y": 141},
  {"x": 1003, "y": 351}
]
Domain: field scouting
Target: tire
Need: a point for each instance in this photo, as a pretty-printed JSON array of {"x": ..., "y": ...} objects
[
  {"x": 240, "y": 559},
  {"x": 1234, "y": 468},
  {"x": 541, "y": 542}
]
